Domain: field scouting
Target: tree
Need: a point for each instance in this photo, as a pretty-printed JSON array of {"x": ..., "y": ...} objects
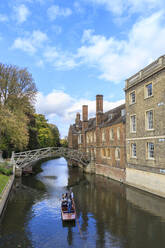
[
  {"x": 48, "y": 134},
  {"x": 17, "y": 94},
  {"x": 64, "y": 142}
]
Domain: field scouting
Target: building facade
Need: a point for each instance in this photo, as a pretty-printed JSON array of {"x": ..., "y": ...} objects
[
  {"x": 103, "y": 137},
  {"x": 145, "y": 128}
]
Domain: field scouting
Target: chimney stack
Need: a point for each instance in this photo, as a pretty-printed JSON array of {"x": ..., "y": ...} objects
[
  {"x": 77, "y": 120},
  {"x": 99, "y": 109},
  {"x": 85, "y": 112}
]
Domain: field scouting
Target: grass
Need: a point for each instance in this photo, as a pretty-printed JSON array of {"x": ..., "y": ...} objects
[{"x": 3, "y": 181}]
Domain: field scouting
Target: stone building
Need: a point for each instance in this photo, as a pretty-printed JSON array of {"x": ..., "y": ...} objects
[
  {"x": 104, "y": 138},
  {"x": 145, "y": 128}
]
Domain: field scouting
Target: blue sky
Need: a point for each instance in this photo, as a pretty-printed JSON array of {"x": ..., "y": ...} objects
[{"x": 77, "y": 49}]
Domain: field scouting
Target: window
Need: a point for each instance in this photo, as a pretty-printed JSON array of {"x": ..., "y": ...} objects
[
  {"x": 133, "y": 150},
  {"x": 94, "y": 137},
  {"x": 91, "y": 137},
  {"x": 103, "y": 136},
  {"x": 118, "y": 133},
  {"x": 132, "y": 97},
  {"x": 117, "y": 153},
  {"x": 111, "y": 134},
  {"x": 148, "y": 90},
  {"x": 150, "y": 150},
  {"x": 149, "y": 119},
  {"x": 133, "y": 123},
  {"x": 108, "y": 153},
  {"x": 103, "y": 152}
]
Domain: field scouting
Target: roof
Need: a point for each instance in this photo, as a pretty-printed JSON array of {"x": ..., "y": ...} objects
[{"x": 110, "y": 118}]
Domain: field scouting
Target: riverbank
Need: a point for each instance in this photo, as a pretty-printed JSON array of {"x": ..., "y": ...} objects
[
  {"x": 6, "y": 183},
  {"x": 3, "y": 182}
]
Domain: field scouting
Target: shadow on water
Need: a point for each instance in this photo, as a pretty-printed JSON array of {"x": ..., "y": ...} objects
[{"x": 109, "y": 213}]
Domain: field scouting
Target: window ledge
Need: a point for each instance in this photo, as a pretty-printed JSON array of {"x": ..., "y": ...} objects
[
  {"x": 150, "y": 159},
  {"x": 147, "y": 97},
  {"x": 132, "y": 103},
  {"x": 150, "y": 130}
]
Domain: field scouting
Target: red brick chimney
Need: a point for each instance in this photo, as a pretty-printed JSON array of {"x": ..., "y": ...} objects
[
  {"x": 85, "y": 112},
  {"x": 84, "y": 123},
  {"x": 99, "y": 109}
]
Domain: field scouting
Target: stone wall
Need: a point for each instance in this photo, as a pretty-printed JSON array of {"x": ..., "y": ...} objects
[{"x": 147, "y": 181}]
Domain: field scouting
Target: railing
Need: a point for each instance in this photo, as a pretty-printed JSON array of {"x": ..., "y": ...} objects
[
  {"x": 23, "y": 159},
  {"x": 147, "y": 71}
]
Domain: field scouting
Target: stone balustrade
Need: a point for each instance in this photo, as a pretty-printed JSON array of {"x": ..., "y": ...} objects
[{"x": 146, "y": 72}]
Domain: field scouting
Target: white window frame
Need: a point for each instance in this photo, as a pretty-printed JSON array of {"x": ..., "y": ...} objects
[
  {"x": 111, "y": 134},
  {"x": 132, "y": 125},
  {"x": 103, "y": 135},
  {"x": 94, "y": 137},
  {"x": 148, "y": 122},
  {"x": 118, "y": 133},
  {"x": 150, "y": 150},
  {"x": 117, "y": 153},
  {"x": 130, "y": 97},
  {"x": 133, "y": 150},
  {"x": 146, "y": 90}
]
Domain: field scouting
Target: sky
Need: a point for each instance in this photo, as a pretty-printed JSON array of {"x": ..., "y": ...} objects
[{"x": 76, "y": 49}]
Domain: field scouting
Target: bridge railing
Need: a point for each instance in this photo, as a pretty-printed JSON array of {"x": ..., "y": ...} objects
[{"x": 22, "y": 159}]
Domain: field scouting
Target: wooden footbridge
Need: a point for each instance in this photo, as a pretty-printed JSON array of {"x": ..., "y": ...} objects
[{"x": 27, "y": 158}]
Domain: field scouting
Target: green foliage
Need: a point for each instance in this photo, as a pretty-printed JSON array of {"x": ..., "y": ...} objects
[
  {"x": 48, "y": 134},
  {"x": 20, "y": 127},
  {"x": 64, "y": 142},
  {"x": 6, "y": 169},
  {"x": 17, "y": 92}
]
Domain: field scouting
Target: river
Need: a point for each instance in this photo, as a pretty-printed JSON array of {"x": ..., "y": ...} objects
[{"x": 109, "y": 214}]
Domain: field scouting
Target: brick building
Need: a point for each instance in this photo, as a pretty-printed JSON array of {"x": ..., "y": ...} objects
[
  {"x": 145, "y": 128},
  {"x": 74, "y": 131},
  {"x": 103, "y": 137}
]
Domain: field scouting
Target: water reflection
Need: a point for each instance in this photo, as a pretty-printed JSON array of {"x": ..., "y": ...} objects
[{"x": 109, "y": 214}]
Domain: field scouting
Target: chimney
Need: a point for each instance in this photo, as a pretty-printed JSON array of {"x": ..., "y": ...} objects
[
  {"x": 77, "y": 120},
  {"x": 85, "y": 112},
  {"x": 99, "y": 109}
]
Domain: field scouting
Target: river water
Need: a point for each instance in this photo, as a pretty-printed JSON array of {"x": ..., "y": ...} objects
[{"x": 109, "y": 214}]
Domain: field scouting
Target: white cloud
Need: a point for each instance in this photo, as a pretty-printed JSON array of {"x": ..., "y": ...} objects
[
  {"x": 3, "y": 18},
  {"x": 21, "y": 13},
  {"x": 60, "y": 60},
  {"x": 32, "y": 43},
  {"x": 54, "y": 11},
  {"x": 119, "y": 59},
  {"x": 61, "y": 108},
  {"x": 119, "y": 7},
  {"x": 115, "y": 59}
]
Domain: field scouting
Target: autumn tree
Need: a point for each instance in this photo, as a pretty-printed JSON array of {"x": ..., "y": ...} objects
[{"x": 17, "y": 94}]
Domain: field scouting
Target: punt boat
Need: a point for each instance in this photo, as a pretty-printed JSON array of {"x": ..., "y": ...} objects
[{"x": 68, "y": 216}]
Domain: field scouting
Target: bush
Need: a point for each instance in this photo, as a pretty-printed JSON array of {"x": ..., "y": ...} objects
[{"x": 6, "y": 169}]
